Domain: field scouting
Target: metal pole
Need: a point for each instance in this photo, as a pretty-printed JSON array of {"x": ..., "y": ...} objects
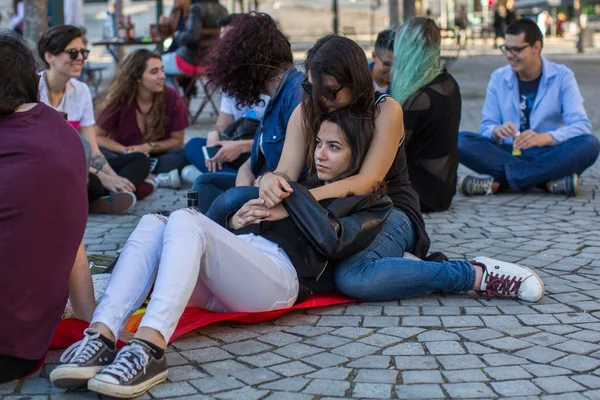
[
  {"x": 394, "y": 13},
  {"x": 159, "y": 9},
  {"x": 335, "y": 10},
  {"x": 58, "y": 12},
  {"x": 577, "y": 8}
]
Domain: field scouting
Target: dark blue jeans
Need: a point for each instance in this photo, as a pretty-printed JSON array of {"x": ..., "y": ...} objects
[
  {"x": 193, "y": 152},
  {"x": 379, "y": 273},
  {"x": 534, "y": 167},
  {"x": 218, "y": 196}
]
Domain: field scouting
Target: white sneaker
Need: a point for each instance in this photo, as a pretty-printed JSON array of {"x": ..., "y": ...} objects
[
  {"x": 507, "y": 279},
  {"x": 189, "y": 173},
  {"x": 169, "y": 180}
]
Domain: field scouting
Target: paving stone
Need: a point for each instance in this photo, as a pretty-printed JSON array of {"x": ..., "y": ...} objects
[
  {"x": 255, "y": 376},
  {"x": 183, "y": 373},
  {"x": 194, "y": 342},
  {"x": 577, "y": 363},
  {"x": 540, "y": 354},
  {"x": 502, "y": 359},
  {"x": 355, "y": 350},
  {"x": 206, "y": 355},
  {"x": 339, "y": 321},
  {"x": 8, "y": 387},
  {"x": 172, "y": 389},
  {"x": 399, "y": 311},
  {"x": 481, "y": 311},
  {"x": 575, "y": 318},
  {"x": 416, "y": 362},
  {"x": 216, "y": 384},
  {"x": 586, "y": 335},
  {"x": 405, "y": 349},
  {"x": 468, "y": 390},
  {"x": 537, "y": 319},
  {"x": 337, "y": 373},
  {"x": 515, "y": 388},
  {"x": 296, "y": 319},
  {"x": 545, "y": 370},
  {"x": 592, "y": 382},
  {"x": 558, "y": 384},
  {"x": 515, "y": 310},
  {"x": 430, "y": 336},
  {"x": 460, "y": 362},
  {"x": 246, "y": 348},
  {"x": 481, "y": 334},
  {"x": 363, "y": 310},
  {"x": 419, "y": 392},
  {"x": 353, "y": 333},
  {"x": 327, "y": 341},
  {"x": 38, "y": 386},
  {"x": 507, "y": 373},
  {"x": 279, "y": 338},
  {"x": 461, "y": 321},
  {"x": 287, "y": 384},
  {"x": 474, "y": 348},
  {"x": 421, "y": 321},
  {"x": 500, "y": 321},
  {"x": 298, "y": 350},
  {"x": 409, "y": 377},
  {"x": 380, "y": 340},
  {"x": 292, "y": 368},
  {"x": 544, "y": 339},
  {"x": 465, "y": 375},
  {"x": 404, "y": 333},
  {"x": 289, "y": 396},
  {"x": 441, "y": 310},
  {"x": 377, "y": 362},
  {"x": 327, "y": 388},
  {"x": 577, "y": 347},
  {"x": 325, "y": 360},
  {"x": 225, "y": 367},
  {"x": 264, "y": 360},
  {"x": 372, "y": 390},
  {"x": 378, "y": 376},
  {"x": 508, "y": 344},
  {"x": 380, "y": 322},
  {"x": 246, "y": 393},
  {"x": 309, "y": 331}
]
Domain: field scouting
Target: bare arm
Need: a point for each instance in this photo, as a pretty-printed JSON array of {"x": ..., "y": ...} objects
[
  {"x": 98, "y": 161},
  {"x": 175, "y": 141},
  {"x": 223, "y": 121},
  {"x": 245, "y": 177},
  {"x": 81, "y": 287},
  {"x": 389, "y": 131},
  {"x": 110, "y": 144}
]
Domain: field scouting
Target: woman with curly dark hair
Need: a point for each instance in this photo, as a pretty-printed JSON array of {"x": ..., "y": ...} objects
[
  {"x": 252, "y": 58},
  {"x": 139, "y": 114}
]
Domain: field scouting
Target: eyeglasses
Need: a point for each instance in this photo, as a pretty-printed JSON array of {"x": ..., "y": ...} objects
[
  {"x": 74, "y": 53},
  {"x": 515, "y": 51},
  {"x": 387, "y": 64},
  {"x": 328, "y": 92}
]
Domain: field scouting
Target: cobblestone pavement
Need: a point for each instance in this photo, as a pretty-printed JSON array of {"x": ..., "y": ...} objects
[{"x": 432, "y": 347}]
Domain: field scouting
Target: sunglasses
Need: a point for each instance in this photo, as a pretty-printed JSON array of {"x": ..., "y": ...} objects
[
  {"x": 328, "y": 92},
  {"x": 515, "y": 51},
  {"x": 74, "y": 53}
]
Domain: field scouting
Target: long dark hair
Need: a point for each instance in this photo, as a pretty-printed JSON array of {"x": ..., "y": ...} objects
[
  {"x": 345, "y": 61},
  {"x": 357, "y": 132},
  {"x": 253, "y": 51},
  {"x": 18, "y": 77},
  {"x": 123, "y": 89}
]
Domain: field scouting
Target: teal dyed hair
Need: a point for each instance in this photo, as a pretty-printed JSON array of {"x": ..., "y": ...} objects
[{"x": 416, "y": 57}]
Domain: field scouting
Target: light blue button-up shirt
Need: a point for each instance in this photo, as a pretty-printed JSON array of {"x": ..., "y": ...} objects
[{"x": 558, "y": 107}]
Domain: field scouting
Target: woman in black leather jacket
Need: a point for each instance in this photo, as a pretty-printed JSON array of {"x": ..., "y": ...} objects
[{"x": 192, "y": 260}]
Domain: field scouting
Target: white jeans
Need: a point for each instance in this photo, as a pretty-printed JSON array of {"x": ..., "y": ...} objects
[{"x": 193, "y": 261}]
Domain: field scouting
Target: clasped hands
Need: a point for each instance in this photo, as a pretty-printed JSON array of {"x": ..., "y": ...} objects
[{"x": 524, "y": 140}]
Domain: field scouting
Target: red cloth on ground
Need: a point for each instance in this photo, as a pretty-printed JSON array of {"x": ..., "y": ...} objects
[{"x": 71, "y": 330}]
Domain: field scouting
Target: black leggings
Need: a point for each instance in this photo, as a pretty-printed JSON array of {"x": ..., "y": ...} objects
[
  {"x": 134, "y": 166},
  {"x": 12, "y": 368},
  {"x": 168, "y": 161}
]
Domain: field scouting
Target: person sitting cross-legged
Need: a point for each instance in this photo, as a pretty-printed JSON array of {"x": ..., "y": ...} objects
[{"x": 535, "y": 131}]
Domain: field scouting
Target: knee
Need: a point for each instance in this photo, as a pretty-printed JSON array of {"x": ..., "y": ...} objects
[
  {"x": 141, "y": 160},
  {"x": 591, "y": 144},
  {"x": 465, "y": 138},
  {"x": 182, "y": 219},
  {"x": 351, "y": 282},
  {"x": 193, "y": 148}
]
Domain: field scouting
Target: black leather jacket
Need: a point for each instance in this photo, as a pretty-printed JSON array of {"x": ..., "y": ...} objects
[
  {"x": 202, "y": 15},
  {"x": 317, "y": 232}
]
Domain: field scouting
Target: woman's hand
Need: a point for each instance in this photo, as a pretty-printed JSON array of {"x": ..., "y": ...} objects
[
  {"x": 140, "y": 148},
  {"x": 252, "y": 212},
  {"x": 115, "y": 183},
  {"x": 273, "y": 189},
  {"x": 228, "y": 152}
]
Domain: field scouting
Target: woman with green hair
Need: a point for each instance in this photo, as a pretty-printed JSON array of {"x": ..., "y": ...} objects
[{"x": 430, "y": 98}]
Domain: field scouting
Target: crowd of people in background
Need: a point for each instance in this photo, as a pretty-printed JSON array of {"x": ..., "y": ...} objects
[{"x": 318, "y": 180}]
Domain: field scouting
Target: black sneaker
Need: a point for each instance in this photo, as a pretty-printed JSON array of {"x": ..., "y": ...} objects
[
  {"x": 472, "y": 186},
  {"x": 133, "y": 373},
  {"x": 116, "y": 203},
  {"x": 82, "y": 361},
  {"x": 568, "y": 185}
]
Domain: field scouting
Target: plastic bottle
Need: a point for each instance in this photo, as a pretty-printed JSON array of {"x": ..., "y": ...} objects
[
  {"x": 516, "y": 152},
  {"x": 108, "y": 29},
  {"x": 130, "y": 29}
]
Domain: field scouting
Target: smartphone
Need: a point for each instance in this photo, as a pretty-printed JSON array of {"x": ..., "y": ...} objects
[
  {"x": 153, "y": 163},
  {"x": 210, "y": 151}
]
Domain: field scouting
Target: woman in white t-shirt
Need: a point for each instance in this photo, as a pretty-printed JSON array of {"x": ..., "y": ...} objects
[
  {"x": 112, "y": 183},
  {"x": 228, "y": 157}
]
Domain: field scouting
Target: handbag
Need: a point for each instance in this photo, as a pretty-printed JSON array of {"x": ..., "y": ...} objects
[{"x": 242, "y": 129}]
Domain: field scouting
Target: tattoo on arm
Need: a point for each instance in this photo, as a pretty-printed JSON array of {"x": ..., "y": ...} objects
[{"x": 98, "y": 161}]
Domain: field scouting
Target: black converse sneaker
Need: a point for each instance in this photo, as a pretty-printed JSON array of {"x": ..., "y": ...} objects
[
  {"x": 133, "y": 373},
  {"x": 568, "y": 185},
  {"x": 507, "y": 279},
  {"x": 472, "y": 186},
  {"x": 82, "y": 361}
]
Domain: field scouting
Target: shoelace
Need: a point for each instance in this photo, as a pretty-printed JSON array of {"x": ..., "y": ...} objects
[
  {"x": 502, "y": 285},
  {"x": 82, "y": 350},
  {"x": 130, "y": 359},
  {"x": 481, "y": 186},
  {"x": 559, "y": 186}
]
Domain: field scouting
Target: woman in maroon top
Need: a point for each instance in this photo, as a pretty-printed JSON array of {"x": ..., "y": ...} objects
[
  {"x": 43, "y": 212},
  {"x": 138, "y": 113}
]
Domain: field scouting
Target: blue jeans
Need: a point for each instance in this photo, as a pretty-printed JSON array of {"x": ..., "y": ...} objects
[
  {"x": 170, "y": 69},
  {"x": 378, "y": 273},
  {"x": 218, "y": 196},
  {"x": 193, "y": 152},
  {"x": 534, "y": 167}
]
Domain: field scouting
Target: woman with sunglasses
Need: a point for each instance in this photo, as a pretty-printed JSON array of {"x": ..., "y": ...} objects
[
  {"x": 431, "y": 101},
  {"x": 111, "y": 184},
  {"x": 244, "y": 68}
]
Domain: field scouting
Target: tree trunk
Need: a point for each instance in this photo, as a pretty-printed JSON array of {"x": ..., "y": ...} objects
[
  {"x": 35, "y": 22},
  {"x": 394, "y": 14},
  {"x": 335, "y": 12},
  {"x": 409, "y": 9},
  {"x": 580, "y": 33}
]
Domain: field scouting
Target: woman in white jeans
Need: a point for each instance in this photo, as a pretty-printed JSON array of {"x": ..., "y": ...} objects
[{"x": 192, "y": 261}]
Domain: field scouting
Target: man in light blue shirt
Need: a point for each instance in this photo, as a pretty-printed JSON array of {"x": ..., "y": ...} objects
[{"x": 534, "y": 131}]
